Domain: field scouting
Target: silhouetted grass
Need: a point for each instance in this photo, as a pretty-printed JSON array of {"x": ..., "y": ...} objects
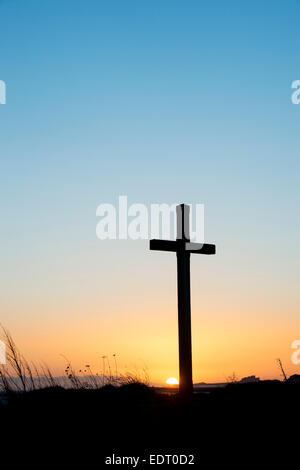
[{"x": 18, "y": 375}]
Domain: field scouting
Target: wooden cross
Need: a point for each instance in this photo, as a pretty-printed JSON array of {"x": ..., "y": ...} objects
[{"x": 183, "y": 248}]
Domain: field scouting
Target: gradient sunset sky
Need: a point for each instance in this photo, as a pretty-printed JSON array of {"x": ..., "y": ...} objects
[{"x": 163, "y": 101}]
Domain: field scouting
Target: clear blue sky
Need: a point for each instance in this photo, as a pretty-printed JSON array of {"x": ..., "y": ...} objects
[{"x": 163, "y": 101}]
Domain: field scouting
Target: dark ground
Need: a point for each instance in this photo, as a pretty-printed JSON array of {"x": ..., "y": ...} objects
[{"x": 239, "y": 424}]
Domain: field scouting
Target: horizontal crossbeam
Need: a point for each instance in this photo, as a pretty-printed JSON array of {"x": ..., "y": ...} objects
[
  {"x": 201, "y": 248},
  {"x": 181, "y": 245},
  {"x": 163, "y": 245}
]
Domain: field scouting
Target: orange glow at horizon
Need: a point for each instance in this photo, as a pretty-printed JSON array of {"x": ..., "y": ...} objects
[
  {"x": 147, "y": 340},
  {"x": 86, "y": 315}
]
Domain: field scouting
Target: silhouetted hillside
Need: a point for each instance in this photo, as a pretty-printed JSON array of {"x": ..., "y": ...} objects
[{"x": 134, "y": 419}]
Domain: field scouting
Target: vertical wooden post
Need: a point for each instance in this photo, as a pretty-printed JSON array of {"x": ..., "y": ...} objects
[{"x": 184, "y": 302}]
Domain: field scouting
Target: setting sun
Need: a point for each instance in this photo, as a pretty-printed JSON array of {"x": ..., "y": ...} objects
[{"x": 172, "y": 381}]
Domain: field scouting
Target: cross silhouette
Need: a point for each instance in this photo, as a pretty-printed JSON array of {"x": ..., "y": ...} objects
[{"x": 183, "y": 247}]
